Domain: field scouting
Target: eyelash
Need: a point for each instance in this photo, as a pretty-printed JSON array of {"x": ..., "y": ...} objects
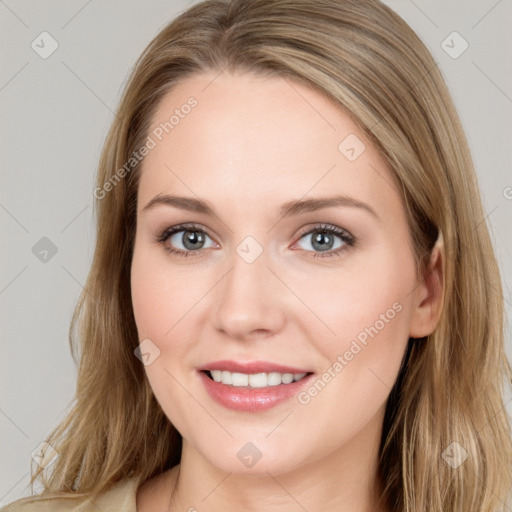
[{"x": 348, "y": 239}]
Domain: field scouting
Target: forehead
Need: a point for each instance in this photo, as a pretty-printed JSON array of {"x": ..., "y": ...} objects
[{"x": 254, "y": 137}]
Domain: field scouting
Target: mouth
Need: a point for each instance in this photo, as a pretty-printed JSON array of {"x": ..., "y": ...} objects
[
  {"x": 254, "y": 380},
  {"x": 252, "y": 387}
]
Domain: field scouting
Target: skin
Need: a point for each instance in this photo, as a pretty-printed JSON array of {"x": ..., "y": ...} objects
[{"x": 250, "y": 145}]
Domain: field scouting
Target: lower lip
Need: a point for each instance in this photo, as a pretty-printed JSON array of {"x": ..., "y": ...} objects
[{"x": 251, "y": 399}]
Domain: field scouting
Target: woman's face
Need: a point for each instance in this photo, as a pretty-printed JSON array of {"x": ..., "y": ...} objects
[{"x": 258, "y": 281}]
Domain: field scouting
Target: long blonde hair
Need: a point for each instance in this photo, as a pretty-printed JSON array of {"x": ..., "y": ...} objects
[{"x": 450, "y": 391}]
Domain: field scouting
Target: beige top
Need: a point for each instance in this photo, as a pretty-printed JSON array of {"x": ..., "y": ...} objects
[{"x": 121, "y": 497}]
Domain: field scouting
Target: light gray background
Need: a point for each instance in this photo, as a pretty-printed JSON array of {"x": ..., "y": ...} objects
[{"x": 55, "y": 113}]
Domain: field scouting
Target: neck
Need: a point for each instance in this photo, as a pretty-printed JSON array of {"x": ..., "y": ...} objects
[{"x": 345, "y": 480}]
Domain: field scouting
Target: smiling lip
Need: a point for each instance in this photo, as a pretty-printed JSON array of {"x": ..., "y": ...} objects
[
  {"x": 251, "y": 367},
  {"x": 239, "y": 398}
]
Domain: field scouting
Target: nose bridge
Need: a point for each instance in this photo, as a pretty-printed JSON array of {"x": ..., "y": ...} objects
[
  {"x": 246, "y": 299},
  {"x": 248, "y": 271}
]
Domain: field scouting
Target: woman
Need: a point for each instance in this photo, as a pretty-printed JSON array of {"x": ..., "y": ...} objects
[{"x": 293, "y": 304}]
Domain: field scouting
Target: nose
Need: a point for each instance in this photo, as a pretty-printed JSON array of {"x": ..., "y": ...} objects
[{"x": 249, "y": 301}]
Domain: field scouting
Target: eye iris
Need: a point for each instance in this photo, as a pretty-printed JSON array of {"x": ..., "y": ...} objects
[
  {"x": 320, "y": 239},
  {"x": 192, "y": 238}
]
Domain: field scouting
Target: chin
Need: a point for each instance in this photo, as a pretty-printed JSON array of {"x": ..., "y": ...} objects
[{"x": 258, "y": 458}]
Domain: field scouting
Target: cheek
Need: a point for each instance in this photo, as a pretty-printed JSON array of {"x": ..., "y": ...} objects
[
  {"x": 158, "y": 309},
  {"x": 366, "y": 311},
  {"x": 159, "y": 294},
  {"x": 370, "y": 293},
  {"x": 369, "y": 314}
]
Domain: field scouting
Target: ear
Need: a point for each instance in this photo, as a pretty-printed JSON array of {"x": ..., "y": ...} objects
[{"x": 428, "y": 295}]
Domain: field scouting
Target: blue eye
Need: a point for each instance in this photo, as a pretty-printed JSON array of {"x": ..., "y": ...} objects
[
  {"x": 324, "y": 239},
  {"x": 193, "y": 238}
]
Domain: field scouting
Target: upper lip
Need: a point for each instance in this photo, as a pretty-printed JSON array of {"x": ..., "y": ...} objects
[{"x": 251, "y": 367}]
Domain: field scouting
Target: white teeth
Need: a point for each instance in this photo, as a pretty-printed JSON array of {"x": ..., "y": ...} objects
[
  {"x": 273, "y": 379},
  {"x": 226, "y": 378},
  {"x": 239, "y": 379},
  {"x": 287, "y": 378},
  {"x": 254, "y": 380},
  {"x": 258, "y": 380}
]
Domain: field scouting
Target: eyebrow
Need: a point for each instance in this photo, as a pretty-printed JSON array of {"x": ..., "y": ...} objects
[{"x": 291, "y": 208}]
